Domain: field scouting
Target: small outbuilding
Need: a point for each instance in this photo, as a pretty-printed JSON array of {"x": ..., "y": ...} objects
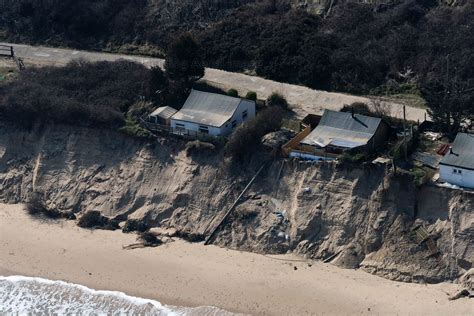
[
  {"x": 212, "y": 114},
  {"x": 338, "y": 132},
  {"x": 162, "y": 115},
  {"x": 457, "y": 166}
]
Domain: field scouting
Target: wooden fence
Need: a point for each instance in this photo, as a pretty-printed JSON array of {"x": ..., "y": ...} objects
[
  {"x": 294, "y": 142},
  {"x": 6, "y": 50}
]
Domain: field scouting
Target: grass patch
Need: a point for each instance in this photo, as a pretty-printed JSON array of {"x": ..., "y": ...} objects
[
  {"x": 419, "y": 175},
  {"x": 132, "y": 128},
  {"x": 7, "y": 73},
  {"x": 356, "y": 158}
]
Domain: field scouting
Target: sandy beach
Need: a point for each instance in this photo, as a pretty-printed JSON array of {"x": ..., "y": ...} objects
[{"x": 184, "y": 274}]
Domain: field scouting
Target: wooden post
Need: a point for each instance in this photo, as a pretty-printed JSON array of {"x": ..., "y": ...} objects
[
  {"x": 405, "y": 133},
  {"x": 12, "y": 53}
]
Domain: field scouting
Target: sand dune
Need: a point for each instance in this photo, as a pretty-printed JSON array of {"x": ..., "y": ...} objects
[{"x": 186, "y": 274}]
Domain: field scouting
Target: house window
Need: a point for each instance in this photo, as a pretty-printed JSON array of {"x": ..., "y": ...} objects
[
  {"x": 234, "y": 123},
  {"x": 180, "y": 127},
  {"x": 203, "y": 129},
  {"x": 244, "y": 114},
  {"x": 457, "y": 171}
]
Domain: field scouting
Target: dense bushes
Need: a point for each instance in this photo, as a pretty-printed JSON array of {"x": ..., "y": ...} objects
[
  {"x": 93, "y": 219},
  {"x": 149, "y": 239},
  {"x": 199, "y": 147},
  {"x": 251, "y": 95},
  {"x": 36, "y": 207},
  {"x": 248, "y": 135},
  {"x": 355, "y": 49},
  {"x": 233, "y": 93},
  {"x": 81, "y": 93},
  {"x": 409, "y": 46},
  {"x": 135, "y": 225}
]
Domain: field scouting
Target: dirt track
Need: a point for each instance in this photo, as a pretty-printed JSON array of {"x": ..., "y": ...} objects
[{"x": 303, "y": 99}]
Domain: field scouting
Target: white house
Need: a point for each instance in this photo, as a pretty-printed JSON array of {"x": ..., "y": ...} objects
[
  {"x": 457, "y": 166},
  {"x": 213, "y": 114}
]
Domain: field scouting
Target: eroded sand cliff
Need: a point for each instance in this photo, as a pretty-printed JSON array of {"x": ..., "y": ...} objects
[{"x": 354, "y": 216}]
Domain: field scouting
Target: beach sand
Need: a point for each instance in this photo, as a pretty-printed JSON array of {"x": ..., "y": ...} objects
[{"x": 184, "y": 274}]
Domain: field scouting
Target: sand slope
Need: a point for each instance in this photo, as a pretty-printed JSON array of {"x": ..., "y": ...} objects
[{"x": 186, "y": 274}]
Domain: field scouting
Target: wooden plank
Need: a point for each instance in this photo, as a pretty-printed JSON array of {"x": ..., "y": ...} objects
[{"x": 214, "y": 231}]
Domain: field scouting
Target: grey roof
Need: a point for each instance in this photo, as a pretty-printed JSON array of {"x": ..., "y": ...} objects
[
  {"x": 165, "y": 112},
  {"x": 427, "y": 159},
  {"x": 342, "y": 130},
  {"x": 208, "y": 108},
  {"x": 462, "y": 155}
]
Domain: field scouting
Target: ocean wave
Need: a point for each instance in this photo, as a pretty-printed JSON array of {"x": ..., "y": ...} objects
[{"x": 31, "y": 295}]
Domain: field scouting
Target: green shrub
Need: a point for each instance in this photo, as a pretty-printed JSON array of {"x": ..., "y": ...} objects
[
  {"x": 419, "y": 175},
  {"x": 197, "y": 146},
  {"x": 251, "y": 95},
  {"x": 248, "y": 135},
  {"x": 276, "y": 99},
  {"x": 358, "y": 107},
  {"x": 348, "y": 157},
  {"x": 233, "y": 93},
  {"x": 132, "y": 128}
]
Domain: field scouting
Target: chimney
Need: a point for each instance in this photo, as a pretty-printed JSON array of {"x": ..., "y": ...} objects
[{"x": 451, "y": 152}]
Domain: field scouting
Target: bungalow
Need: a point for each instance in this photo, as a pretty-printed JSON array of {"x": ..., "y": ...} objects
[
  {"x": 338, "y": 132},
  {"x": 457, "y": 166},
  {"x": 162, "y": 115},
  {"x": 213, "y": 114}
]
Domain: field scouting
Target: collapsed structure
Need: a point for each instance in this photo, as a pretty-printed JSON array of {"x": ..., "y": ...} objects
[{"x": 338, "y": 132}]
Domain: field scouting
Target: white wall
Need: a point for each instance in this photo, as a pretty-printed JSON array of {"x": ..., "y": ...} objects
[
  {"x": 245, "y": 105},
  {"x": 214, "y": 131},
  {"x": 463, "y": 179}
]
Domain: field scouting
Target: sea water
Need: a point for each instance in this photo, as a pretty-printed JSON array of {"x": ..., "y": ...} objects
[{"x": 28, "y": 295}]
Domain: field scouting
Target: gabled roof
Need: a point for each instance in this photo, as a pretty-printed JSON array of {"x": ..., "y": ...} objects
[
  {"x": 165, "y": 112},
  {"x": 341, "y": 129},
  {"x": 462, "y": 153},
  {"x": 208, "y": 108}
]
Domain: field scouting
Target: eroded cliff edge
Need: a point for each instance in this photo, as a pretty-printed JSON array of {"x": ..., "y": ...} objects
[{"x": 354, "y": 216}]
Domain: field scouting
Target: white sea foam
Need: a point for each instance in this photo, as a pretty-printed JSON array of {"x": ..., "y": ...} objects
[{"x": 27, "y": 295}]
